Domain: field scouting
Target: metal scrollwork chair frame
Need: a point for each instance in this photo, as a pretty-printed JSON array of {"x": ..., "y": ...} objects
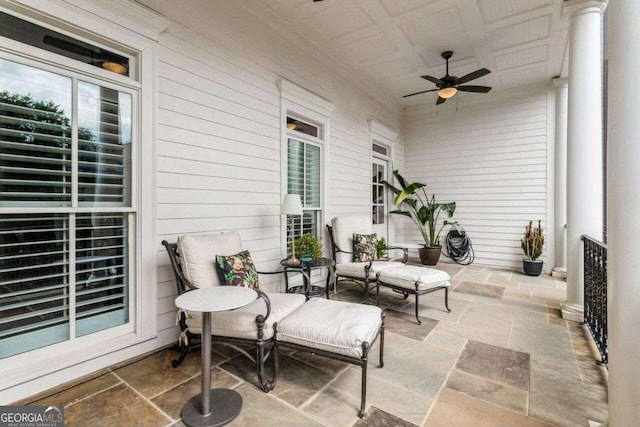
[
  {"x": 363, "y": 282},
  {"x": 263, "y": 348}
]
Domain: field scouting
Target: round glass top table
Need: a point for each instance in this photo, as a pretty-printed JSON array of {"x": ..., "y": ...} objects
[
  {"x": 219, "y": 406},
  {"x": 305, "y": 268}
]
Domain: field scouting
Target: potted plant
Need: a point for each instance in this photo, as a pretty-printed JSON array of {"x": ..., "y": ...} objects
[
  {"x": 424, "y": 212},
  {"x": 382, "y": 248},
  {"x": 532, "y": 243},
  {"x": 308, "y": 248}
]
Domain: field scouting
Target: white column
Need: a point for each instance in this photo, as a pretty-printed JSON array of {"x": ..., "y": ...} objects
[
  {"x": 584, "y": 142},
  {"x": 560, "y": 268},
  {"x": 623, "y": 182}
]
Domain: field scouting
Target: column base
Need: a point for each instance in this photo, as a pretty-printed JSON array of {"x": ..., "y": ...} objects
[
  {"x": 559, "y": 272},
  {"x": 573, "y": 312}
]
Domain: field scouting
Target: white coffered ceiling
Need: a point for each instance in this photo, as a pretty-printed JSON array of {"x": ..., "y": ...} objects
[{"x": 393, "y": 42}]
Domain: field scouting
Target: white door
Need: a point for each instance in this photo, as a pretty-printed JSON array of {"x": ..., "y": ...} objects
[{"x": 379, "y": 201}]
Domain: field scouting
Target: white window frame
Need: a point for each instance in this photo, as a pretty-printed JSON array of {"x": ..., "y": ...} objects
[
  {"x": 20, "y": 375},
  {"x": 306, "y": 106},
  {"x": 381, "y": 134}
]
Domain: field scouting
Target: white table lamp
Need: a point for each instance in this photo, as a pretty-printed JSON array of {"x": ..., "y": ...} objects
[{"x": 292, "y": 205}]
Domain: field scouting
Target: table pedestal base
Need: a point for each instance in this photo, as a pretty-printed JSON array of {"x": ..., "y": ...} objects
[{"x": 225, "y": 406}]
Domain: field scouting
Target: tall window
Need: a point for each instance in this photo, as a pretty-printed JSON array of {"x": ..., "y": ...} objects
[
  {"x": 67, "y": 218},
  {"x": 304, "y": 163}
]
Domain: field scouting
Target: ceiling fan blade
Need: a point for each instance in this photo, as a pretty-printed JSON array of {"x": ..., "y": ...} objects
[
  {"x": 434, "y": 80},
  {"x": 70, "y": 46},
  {"x": 440, "y": 100},
  {"x": 418, "y": 93},
  {"x": 478, "y": 89},
  {"x": 472, "y": 76}
]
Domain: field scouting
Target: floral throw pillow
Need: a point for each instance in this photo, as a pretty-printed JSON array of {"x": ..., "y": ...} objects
[
  {"x": 238, "y": 270},
  {"x": 364, "y": 247}
]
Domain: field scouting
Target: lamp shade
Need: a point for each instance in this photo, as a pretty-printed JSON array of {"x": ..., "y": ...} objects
[{"x": 291, "y": 205}]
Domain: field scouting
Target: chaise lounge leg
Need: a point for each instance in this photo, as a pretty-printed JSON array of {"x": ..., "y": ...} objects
[
  {"x": 417, "y": 297},
  {"x": 265, "y": 384},
  {"x": 184, "y": 349},
  {"x": 382, "y": 340},
  {"x": 446, "y": 299},
  {"x": 366, "y": 289},
  {"x": 363, "y": 390}
]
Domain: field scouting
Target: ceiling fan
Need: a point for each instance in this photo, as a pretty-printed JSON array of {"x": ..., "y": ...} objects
[{"x": 448, "y": 85}]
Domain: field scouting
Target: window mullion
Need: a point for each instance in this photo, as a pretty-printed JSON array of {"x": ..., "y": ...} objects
[
  {"x": 74, "y": 204},
  {"x": 72, "y": 276},
  {"x": 74, "y": 143},
  {"x": 304, "y": 185}
]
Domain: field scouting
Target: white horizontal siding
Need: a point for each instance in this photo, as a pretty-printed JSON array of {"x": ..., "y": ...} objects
[
  {"x": 218, "y": 133},
  {"x": 489, "y": 155}
]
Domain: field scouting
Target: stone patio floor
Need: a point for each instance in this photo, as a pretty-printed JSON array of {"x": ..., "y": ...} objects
[{"x": 502, "y": 357}]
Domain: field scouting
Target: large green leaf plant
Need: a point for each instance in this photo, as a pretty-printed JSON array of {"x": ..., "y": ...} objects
[{"x": 422, "y": 209}]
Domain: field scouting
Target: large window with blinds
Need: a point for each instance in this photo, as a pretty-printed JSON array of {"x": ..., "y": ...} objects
[
  {"x": 67, "y": 215},
  {"x": 304, "y": 174}
]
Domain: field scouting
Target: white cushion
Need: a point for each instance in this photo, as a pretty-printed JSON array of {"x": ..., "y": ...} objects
[
  {"x": 335, "y": 326},
  {"x": 198, "y": 256},
  {"x": 241, "y": 323},
  {"x": 356, "y": 269},
  {"x": 343, "y": 229},
  {"x": 408, "y": 275}
]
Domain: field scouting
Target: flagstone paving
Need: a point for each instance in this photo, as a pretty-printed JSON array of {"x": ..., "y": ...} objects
[{"x": 502, "y": 357}]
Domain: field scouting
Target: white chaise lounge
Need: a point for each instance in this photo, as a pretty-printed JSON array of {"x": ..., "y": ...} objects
[
  {"x": 334, "y": 329},
  {"x": 402, "y": 278}
]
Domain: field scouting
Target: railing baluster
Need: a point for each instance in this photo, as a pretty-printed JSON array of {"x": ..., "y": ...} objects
[{"x": 595, "y": 293}]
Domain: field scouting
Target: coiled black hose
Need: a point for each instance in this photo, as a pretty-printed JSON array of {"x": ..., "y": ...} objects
[{"x": 459, "y": 247}]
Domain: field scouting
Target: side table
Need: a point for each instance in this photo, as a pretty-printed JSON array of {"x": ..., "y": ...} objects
[
  {"x": 305, "y": 268},
  {"x": 212, "y": 407}
]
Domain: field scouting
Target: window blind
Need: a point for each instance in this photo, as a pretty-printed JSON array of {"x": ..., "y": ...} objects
[{"x": 304, "y": 179}]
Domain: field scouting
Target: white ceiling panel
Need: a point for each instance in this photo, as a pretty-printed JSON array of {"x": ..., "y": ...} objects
[
  {"x": 391, "y": 69},
  {"x": 339, "y": 19},
  {"x": 521, "y": 77},
  {"x": 399, "y": 7},
  {"x": 522, "y": 57},
  {"x": 369, "y": 47},
  {"x": 524, "y": 32},
  {"x": 495, "y": 10},
  {"x": 391, "y": 43},
  {"x": 460, "y": 46},
  {"x": 424, "y": 30}
]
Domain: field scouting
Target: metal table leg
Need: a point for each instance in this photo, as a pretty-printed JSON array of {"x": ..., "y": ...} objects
[{"x": 212, "y": 407}]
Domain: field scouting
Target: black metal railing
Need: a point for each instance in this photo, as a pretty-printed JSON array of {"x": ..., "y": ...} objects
[{"x": 595, "y": 293}]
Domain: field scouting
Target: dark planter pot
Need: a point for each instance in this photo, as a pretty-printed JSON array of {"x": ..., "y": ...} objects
[
  {"x": 532, "y": 268},
  {"x": 430, "y": 255}
]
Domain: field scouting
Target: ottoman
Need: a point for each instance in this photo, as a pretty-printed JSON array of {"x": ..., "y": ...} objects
[
  {"x": 335, "y": 329},
  {"x": 411, "y": 279}
]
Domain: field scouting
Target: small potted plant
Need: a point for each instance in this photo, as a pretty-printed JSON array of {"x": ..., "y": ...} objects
[
  {"x": 532, "y": 243},
  {"x": 308, "y": 248},
  {"x": 382, "y": 248},
  {"x": 424, "y": 212}
]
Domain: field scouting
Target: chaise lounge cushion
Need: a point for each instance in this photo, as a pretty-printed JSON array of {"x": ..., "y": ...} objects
[
  {"x": 334, "y": 326},
  {"x": 356, "y": 269},
  {"x": 407, "y": 276},
  {"x": 198, "y": 256},
  {"x": 241, "y": 323}
]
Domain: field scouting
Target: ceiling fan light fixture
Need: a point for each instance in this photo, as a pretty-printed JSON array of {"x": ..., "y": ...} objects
[
  {"x": 291, "y": 126},
  {"x": 447, "y": 92}
]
